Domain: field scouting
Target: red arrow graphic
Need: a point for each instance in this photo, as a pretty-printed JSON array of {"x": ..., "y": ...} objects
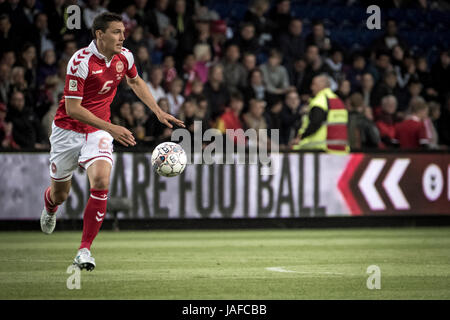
[{"x": 344, "y": 183}]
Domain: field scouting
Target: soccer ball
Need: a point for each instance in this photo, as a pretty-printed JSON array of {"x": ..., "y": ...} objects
[{"x": 169, "y": 159}]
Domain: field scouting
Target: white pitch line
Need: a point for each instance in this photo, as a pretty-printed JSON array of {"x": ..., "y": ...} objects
[{"x": 282, "y": 269}]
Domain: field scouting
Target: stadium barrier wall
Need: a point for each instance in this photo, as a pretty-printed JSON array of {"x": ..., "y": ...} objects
[{"x": 303, "y": 185}]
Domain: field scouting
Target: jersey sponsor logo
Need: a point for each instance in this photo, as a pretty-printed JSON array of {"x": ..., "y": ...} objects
[
  {"x": 97, "y": 72},
  {"x": 73, "y": 85},
  {"x": 119, "y": 66}
]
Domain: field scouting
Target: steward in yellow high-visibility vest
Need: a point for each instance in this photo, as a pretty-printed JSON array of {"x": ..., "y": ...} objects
[{"x": 325, "y": 126}]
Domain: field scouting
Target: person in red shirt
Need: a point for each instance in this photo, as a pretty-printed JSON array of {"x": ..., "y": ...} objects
[
  {"x": 411, "y": 133},
  {"x": 82, "y": 133},
  {"x": 386, "y": 121},
  {"x": 230, "y": 119}
]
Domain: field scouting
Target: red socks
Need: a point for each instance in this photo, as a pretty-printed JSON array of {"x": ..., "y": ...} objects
[
  {"x": 49, "y": 205},
  {"x": 94, "y": 213}
]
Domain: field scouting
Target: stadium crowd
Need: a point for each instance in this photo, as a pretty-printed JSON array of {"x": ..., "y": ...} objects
[{"x": 201, "y": 66}]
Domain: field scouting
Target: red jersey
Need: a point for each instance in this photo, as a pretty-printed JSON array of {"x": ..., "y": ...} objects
[
  {"x": 93, "y": 80},
  {"x": 411, "y": 133}
]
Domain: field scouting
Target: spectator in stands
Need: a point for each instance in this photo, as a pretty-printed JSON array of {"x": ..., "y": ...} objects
[
  {"x": 390, "y": 39},
  {"x": 47, "y": 67},
  {"x": 411, "y": 132},
  {"x": 202, "y": 55},
  {"x": 196, "y": 90},
  {"x": 314, "y": 67},
  {"x": 424, "y": 76},
  {"x": 388, "y": 87},
  {"x": 334, "y": 64},
  {"x": 136, "y": 39},
  {"x": 202, "y": 111},
  {"x": 174, "y": 96},
  {"x": 141, "y": 122},
  {"x": 157, "y": 21},
  {"x": 28, "y": 60},
  {"x": 5, "y": 75},
  {"x": 45, "y": 98},
  {"x": 441, "y": 74},
  {"x": 431, "y": 125},
  {"x": 6, "y": 137},
  {"x": 218, "y": 39},
  {"x": 154, "y": 85},
  {"x": 414, "y": 89},
  {"x": 386, "y": 121},
  {"x": 254, "y": 119},
  {"x": 70, "y": 47},
  {"x": 40, "y": 35},
  {"x": 343, "y": 91},
  {"x": 292, "y": 43},
  {"x": 92, "y": 9},
  {"x": 362, "y": 131},
  {"x": 188, "y": 113},
  {"x": 405, "y": 68},
  {"x": 291, "y": 116},
  {"x": 247, "y": 40},
  {"x": 156, "y": 130},
  {"x": 216, "y": 92},
  {"x": 319, "y": 38},
  {"x": 18, "y": 83},
  {"x": 273, "y": 114},
  {"x": 9, "y": 38},
  {"x": 249, "y": 62},
  {"x": 442, "y": 124},
  {"x": 55, "y": 12},
  {"x": 128, "y": 18},
  {"x": 27, "y": 132},
  {"x": 367, "y": 86},
  {"x": 188, "y": 73},
  {"x": 9, "y": 58},
  {"x": 143, "y": 63},
  {"x": 256, "y": 88},
  {"x": 382, "y": 65},
  {"x": 184, "y": 28},
  {"x": 169, "y": 71},
  {"x": 234, "y": 71},
  {"x": 124, "y": 117},
  {"x": 355, "y": 72},
  {"x": 255, "y": 14},
  {"x": 275, "y": 75},
  {"x": 231, "y": 118},
  {"x": 297, "y": 73},
  {"x": 281, "y": 16}
]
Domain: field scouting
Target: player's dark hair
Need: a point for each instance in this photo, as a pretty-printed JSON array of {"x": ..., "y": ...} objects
[{"x": 101, "y": 22}]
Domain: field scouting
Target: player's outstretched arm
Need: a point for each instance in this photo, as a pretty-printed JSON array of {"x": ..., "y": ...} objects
[
  {"x": 77, "y": 112},
  {"x": 141, "y": 90}
]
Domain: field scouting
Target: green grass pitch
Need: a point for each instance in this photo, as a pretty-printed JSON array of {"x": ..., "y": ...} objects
[{"x": 317, "y": 264}]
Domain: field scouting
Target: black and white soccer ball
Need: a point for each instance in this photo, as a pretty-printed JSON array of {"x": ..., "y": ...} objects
[{"x": 169, "y": 159}]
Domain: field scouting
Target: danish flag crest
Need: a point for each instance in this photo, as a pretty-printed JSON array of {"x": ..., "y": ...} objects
[{"x": 76, "y": 62}]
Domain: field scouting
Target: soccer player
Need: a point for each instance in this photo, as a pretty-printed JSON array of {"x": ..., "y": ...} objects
[{"x": 82, "y": 134}]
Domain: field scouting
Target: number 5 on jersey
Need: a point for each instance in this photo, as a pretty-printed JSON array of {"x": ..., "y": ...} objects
[{"x": 106, "y": 87}]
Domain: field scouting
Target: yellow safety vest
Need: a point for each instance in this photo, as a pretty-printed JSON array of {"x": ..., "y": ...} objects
[{"x": 331, "y": 137}]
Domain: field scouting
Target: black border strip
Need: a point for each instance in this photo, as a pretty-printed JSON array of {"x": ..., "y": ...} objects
[{"x": 242, "y": 223}]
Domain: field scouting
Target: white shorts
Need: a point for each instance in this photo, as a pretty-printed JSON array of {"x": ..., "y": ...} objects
[{"x": 70, "y": 149}]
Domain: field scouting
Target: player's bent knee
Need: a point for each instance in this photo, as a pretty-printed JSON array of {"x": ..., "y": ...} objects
[
  {"x": 100, "y": 182},
  {"x": 59, "y": 197}
]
